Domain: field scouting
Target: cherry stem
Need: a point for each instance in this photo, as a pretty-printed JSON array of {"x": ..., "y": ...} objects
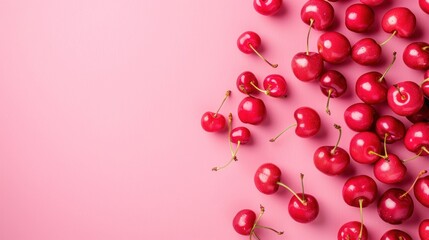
[
  {"x": 388, "y": 68},
  {"x": 385, "y": 149},
  {"x": 327, "y": 102},
  {"x": 224, "y": 166},
  {"x": 262, "y": 57},
  {"x": 227, "y": 94},
  {"x": 266, "y": 92},
  {"x": 272, "y": 229},
  {"x": 303, "y": 201},
  {"x": 421, "y": 173},
  {"x": 424, "y": 149},
  {"x": 416, "y": 156},
  {"x": 302, "y": 186},
  {"x": 361, "y": 218},
  {"x": 399, "y": 91},
  {"x": 425, "y": 48},
  {"x": 261, "y": 212},
  {"x": 229, "y": 133},
  {"x": 308, "y": 37},
  {"x": 339, "y": 137},
  {"x": 388, "y": 39},
  {"x": 426, "y": 80},
  {"x": 275, "y": 138}
]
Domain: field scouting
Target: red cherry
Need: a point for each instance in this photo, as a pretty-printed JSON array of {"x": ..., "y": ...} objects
[
  {"x": 303, "y": 212},
  {"x": 214, "y": 121},
  {"x": 319, "y": 12},
  {"x": 267, "y": 178},
  {"x": 251, "y": 110},
  {"x": 334, "y": 47},
  {"x": 390, "y": 170},
  {"x": 424, "y": 229},
  {"x": 307, "y": 66},
  {"x": 372, "y": 3},
  {"x": 405, "y": 98},
  {"x": 366, "y": 52},
  {"x": 359, "y": 191},
  {"x": 352, "y": 231},
  {"x": 399, "y": 21},
  {"x": 395, "y": 234},
  {"x": 424, "y": 5},
  {"x": 422, "y": 115},
  {"x": 360, "y": 117},
  {"x": 333, "y": 84},
  {"x": 240, "y": 135},
  {"x": 359, "y": 17},
  {"x": 267, "y": 7},
  {"x": 416, "y": 55},
  {"x": 331, "y": 160},
  {"x": 417, "y": 139},
  {"x": 275, "y": 85},
  {"x": 249, "y": 42},
  {"x": 390, "y": 127},
  {"x": 421, "y": 191},
  {"x": 425, "y": 84},
  {"x": 365, "y": 147},
  {"x": 246, "y": 82}
]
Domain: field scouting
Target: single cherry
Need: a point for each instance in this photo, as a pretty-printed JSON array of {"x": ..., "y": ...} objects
[
  {"x": 333, "y": 84},
  {"x": 267, "y": 178},
  {"x": 275, "y": 86},
  {"x": 267, "y": 7},
  {"x": 391, "y": 126},
  {"x": 303, "y": 207},
  {"x": 251, "y": 110},
  {"x": 360, "y": 191},
  {"x": 365, "y": 147},
  {"x": 417, "y": 139},
  {"x": 416, "y": 55},
  {"x": 214, "y": 121},
  {"x": 424, "y": 230},
  {"x": 354, "y": 230},
  {"x": 360, "y": 117},
  {"x": 424, "y": 5},
  {"x": 307, "y": 123},
  {"x": 359, "y": 17},
  {"x": 390, "y": 169},
  {"x": 366, "y": 52},
  {"x": 246, "y": 82},
  {"x": 399, "y": 21},
  {"x": 319, "y": 12},
  {"x": 372, "y": 3},
  {"x": 421, "y": 191},
  {"x": 405, "y": 98},
  {"x": 334, "y": 47},
  {"x": 248, "y": 42},
  {"x": 395, "y": 234}
]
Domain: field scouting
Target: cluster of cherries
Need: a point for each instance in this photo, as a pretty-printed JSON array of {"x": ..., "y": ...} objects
[{"x": 373, "y": 132}]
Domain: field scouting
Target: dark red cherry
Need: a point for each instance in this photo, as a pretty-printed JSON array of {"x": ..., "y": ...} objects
[
  {"x": 214, "y": 121},
  {"x": 334, "y": 47},
  {"x": 366, "y": 52},
  {"x": 422, "y": 115},
  {"x": 352, "y": 230},
  {"x": 321, "y": 12},
  {"x": 360, "y": 117},
  {"x": 243, "y": 221},
  {"x": 417, "y": 139},
  {"x": 304, "y": 209},
  {"x": 391, "y": 126},
  {"x": 390, "y": 170},
  {"x": 251, "y": 110},
  {"x": 424, "y": 229},
  {"x": 246, "y": 82},
  {"x": 421, "y": 191},
  {"x": 359, "y": 17},
  {"x": 365, "y": 147},
  {"x": 249, "y": 42},
  {"x": 405, "y": 98},
  {"x": 267, "y": 178},
  {"x": 395, "y": 206},
  {"x": 333, "y": 84},
  {"x": 395, "y": 234},
  {"x": 307, "y": 66},
  {"x": 400, "y": 21},
  {"x": 360, "y": 188},
  {"x": 267, "y": 7},
  {"x": 416, "y": 55}
]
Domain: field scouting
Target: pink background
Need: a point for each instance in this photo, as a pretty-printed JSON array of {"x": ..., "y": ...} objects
[{"x": 100, "y": 107}]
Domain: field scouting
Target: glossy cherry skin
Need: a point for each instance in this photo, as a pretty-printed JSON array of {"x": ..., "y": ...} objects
[
  {"x": 267, "y": 177},
  {"x": 351, "y": 231},
  {"x": 417, "y": 137},
  {"x": 422, "y": 115},
  {"x": 395, "y": 234},
  {"x": 390, "y": 170},
  {"x": 371, "y": 88},
  {"x": 308, "y": 122},
  {"x": 360, "y": 146},
  {"x": 424, "y": 229},
  {"x": 333, "y": 81},
  {"x": 405, "y": 98},
  {"x": 307, "y": 67},
  {"x": 360, "y": 117},
  {"x": 359, "y": 17},
  {"x": 366, "y": 52},
  {"x": 331, "y": 163},
  {"x": 240, "y": 134},
  {"x": 212, "y": 122},
  {"x": 303, "y": 213},
  {"x": 421, "y": 191},
  {"x": 276, "y": 85},
  {"x": 394, "y": 207},
  {"x": 243, "y": 221},
  {"x": 267, "y": 7},
  {"x": 425, "y": 84},
  {"x": 321, "y": 12},
  {"x": 416, "y": 55},
  {"x": 372, "y": 3},
  {"x": 334, "y": 47},
  {"x": 251, "y": 110},
  {"x": 401, "y": 20},
  {"x": 391, "y": 126},
  {"x": 244, "y": 82},
  {"x": 246, "y": 39},
  {"x": 359, "y": 187},
  {"x": 424, "y": 5}
]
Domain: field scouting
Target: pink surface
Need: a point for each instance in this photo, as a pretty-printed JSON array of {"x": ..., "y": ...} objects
[{"x": 100, "y": 107}]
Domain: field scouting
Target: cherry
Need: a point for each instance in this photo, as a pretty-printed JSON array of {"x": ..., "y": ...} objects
[
  {"x": 354, "y": 230},
  {"x": 424, "y": 229},
  {"x": 359, "y": 191},
  {"x": 275, "y": 85},
  {"x": 360, "y": 117},
  {"x": 390, "y": 169},
  {"x": 245, "y": 223},
  {"x": 214, "y": 121},
  {"x": 366, "y": 52},
  {"x": 395, "y": 234},
  {"x": 424, "y": 5},
  {"x": 421, "y": 191},
  {"x": 399, "y": 21},
  {"x": 267, "y": 178},
  {"x": 395, "y": 205},
  {"x": 307, "y": 123},
  {"x": 332, "y": 160},
  {"x": 246, "y": 82},
  {"x": 365, "y": 147},
  {"x": 251, "y": 110},
  {"x": 267, "y": 7},
  {"x": 405, "y": 98},
  {"x": 371, "y": 87},
  {"x": 319, "y": 14},
  {"x": 425, "y": 84},
  {"x": 332, "y": 84},
  {"x": 416, "y": 55},
  {"x": 303, "y": 209},
  {"x": 391, "y": 126},
  {"x": 307, "y": 66},
  {"x": 417, "y": 139},
  {"x": 359, "y": 17},
  {"x": 248, "y": 42},
  {"x": 422, "y": 115},
  {"x": 334, "y": 47},
  {"x": 372, "y": 3}
]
